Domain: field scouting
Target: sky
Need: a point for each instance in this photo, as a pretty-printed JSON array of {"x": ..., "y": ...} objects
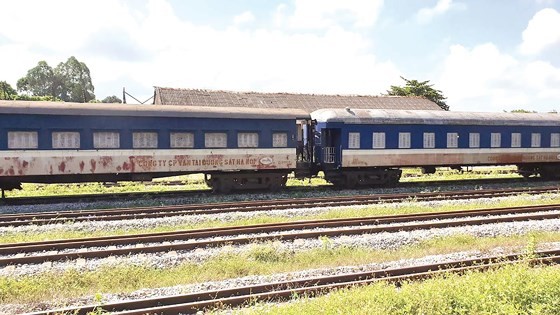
[{"x": 484, "y": 55}]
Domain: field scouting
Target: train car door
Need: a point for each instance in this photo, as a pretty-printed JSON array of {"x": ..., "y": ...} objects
[
  {"x": 305, "y": 140},
  {"x": 330, "y": 140}
]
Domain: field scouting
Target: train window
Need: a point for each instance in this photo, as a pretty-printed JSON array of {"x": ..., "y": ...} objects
[
  {"x": 215, "y": 140},
  {"x": 378, "y": 140},
  {"x": 144, "y": 140},
  {"x": 23, "y": 140},
  {"x": 535, "y": 140},
  {"x": 279, "y": 140},
  {"x": 181, "y": 140},
  {"x": 429, "y": 140},
  {"x": 353, "y": 140},
  {"x": 452, "y": 140},
  {"x": 247, "y": 140},
  {"x": 474, "y": 140},
  {"x": 516, "y": 140},
  {"x": 65, "y": 140},
  {"x": 404, "y": 140},
  {"x": 495, "y": 139},
  {"x": 555, "y": 140},
  {"x": 106, "y": 140}
]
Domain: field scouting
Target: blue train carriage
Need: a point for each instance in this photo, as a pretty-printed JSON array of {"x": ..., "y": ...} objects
[
  {"x": 368, "y": 147},
  {"x": 235, "y": 148}
]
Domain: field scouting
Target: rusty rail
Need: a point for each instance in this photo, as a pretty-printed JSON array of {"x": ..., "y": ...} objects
[
  {"x": 33, "y": 253},
  {"x": 183, "y": 193},
  {"x": 282, "y": 291},
  {"x": 248, "y": 206}
]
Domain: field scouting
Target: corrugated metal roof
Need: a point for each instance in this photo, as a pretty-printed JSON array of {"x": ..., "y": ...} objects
[
  {"x": 102, "y": 109},
  {"x": 379, "y": 117},
  {"x": 307, "y": 102}
]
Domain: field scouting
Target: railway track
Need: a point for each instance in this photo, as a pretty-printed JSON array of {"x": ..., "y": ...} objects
[
  {"x": 282, "y": 291},
  {"x": 101, "y": 247},
  {"x": 186, "y": 193},
  {"x": 41, "y": 218}
]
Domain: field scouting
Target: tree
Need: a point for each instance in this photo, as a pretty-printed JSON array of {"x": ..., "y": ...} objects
[
  {"x": 40, "y": 81},
  {"x": 111, "y": 99},
  {"x": 70, "y": 81},
  {"x": 76, "y": 81},
  {"x": 7, "y": 92},
  {"x": 423, "y": 89}
]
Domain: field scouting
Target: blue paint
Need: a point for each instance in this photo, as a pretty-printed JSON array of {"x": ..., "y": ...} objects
[{"x": 87, "y": 125}]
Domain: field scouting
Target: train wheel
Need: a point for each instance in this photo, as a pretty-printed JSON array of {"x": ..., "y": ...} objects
[
  {"x": 350, "y": 181},
  {"x": 221, "y": 186},
  {"x": 276, "y": 183}
]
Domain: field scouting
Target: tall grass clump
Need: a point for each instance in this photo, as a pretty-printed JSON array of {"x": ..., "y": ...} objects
[{"x": 514, "y": 289}]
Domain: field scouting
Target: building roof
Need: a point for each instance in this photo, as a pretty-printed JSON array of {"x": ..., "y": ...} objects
[
  {"x": 432, "y": 117},
  {"x": 306, "y": 102},
  {"x": 132, "y": 110}
]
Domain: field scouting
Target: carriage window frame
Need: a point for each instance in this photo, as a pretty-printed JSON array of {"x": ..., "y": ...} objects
[
  {"x": 452, "y": 140},
  {"x": 474, "y": 140},
  {"x": 536, "y": 140},
  {"x": 516, "y": 140},
  {"x": 404, "y": 140},
  {"x": 247, "y": 139},
  {"x": 14, "y": 143},
  {"x": 429, "y": 140},
  {"x": 98, "y": 145},
  {"x": 555, "y": 140},
  {"x": 211, "y": 143},
  {"x": 495, "y": 140},
  {"x": 174, "y": 143},
  {"x": 378, "y": 140},
  {"x": 145, "y": 140},
  {"x": 353, "y": 140},
  {"x": 60, "y": 140},
  {"x": 280, "y": 139}
]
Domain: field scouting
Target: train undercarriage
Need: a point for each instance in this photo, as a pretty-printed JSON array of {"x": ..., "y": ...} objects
[
  {"x": 548, "y": 171},
  {"x": 352, "y": 178},
  {"x": 227, "y": 182}
]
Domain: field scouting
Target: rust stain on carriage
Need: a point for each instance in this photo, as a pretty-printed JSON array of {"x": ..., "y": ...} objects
[
  {"x": 93, "y": 164},
  {"x": 106, "y": 160},
  {"x": 62, "y": 167},
  {"x": 128, "y": 166},
  {"x": 82, "y": 165},
  {"x": 1, "y": 171}
]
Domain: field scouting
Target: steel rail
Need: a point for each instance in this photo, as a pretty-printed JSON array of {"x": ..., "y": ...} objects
[
  {"x": 182, "y": 193},
  {"x": 281, "y": 291},
  {"x": 249, "y": 206},
  {"x": 192, "y": 239}
]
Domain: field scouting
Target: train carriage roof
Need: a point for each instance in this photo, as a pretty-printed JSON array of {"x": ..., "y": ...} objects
[
  {"x": 131, "y": 110},
  {"x": 416, "y": 117}
]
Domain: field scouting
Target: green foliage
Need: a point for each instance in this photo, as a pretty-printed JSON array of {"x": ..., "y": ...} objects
[
  {"x": 515, "y": 289},
  {"x": 40, "y": 81},
  {"x": 111, "y": 99},
  {"x": 417, "y": 88},
  {"x": 522, "y": 111},
  {"x": 7, "y": 92},
  {"x": 70, "y": 81},
  {"x": 76, "y": 85},
  {"x": 260, "y": 259}
]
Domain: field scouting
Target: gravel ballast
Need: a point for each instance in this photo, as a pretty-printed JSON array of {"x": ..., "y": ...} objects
[{"x": 262, "y": 279}]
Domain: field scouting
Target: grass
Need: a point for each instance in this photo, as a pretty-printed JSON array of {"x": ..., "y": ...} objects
[
  {"x": 260, "y": 259},
  {"x": 515, "y": 289},
  {"x": 335, "y": 213},
  {"x": 196, "y": 182}
]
